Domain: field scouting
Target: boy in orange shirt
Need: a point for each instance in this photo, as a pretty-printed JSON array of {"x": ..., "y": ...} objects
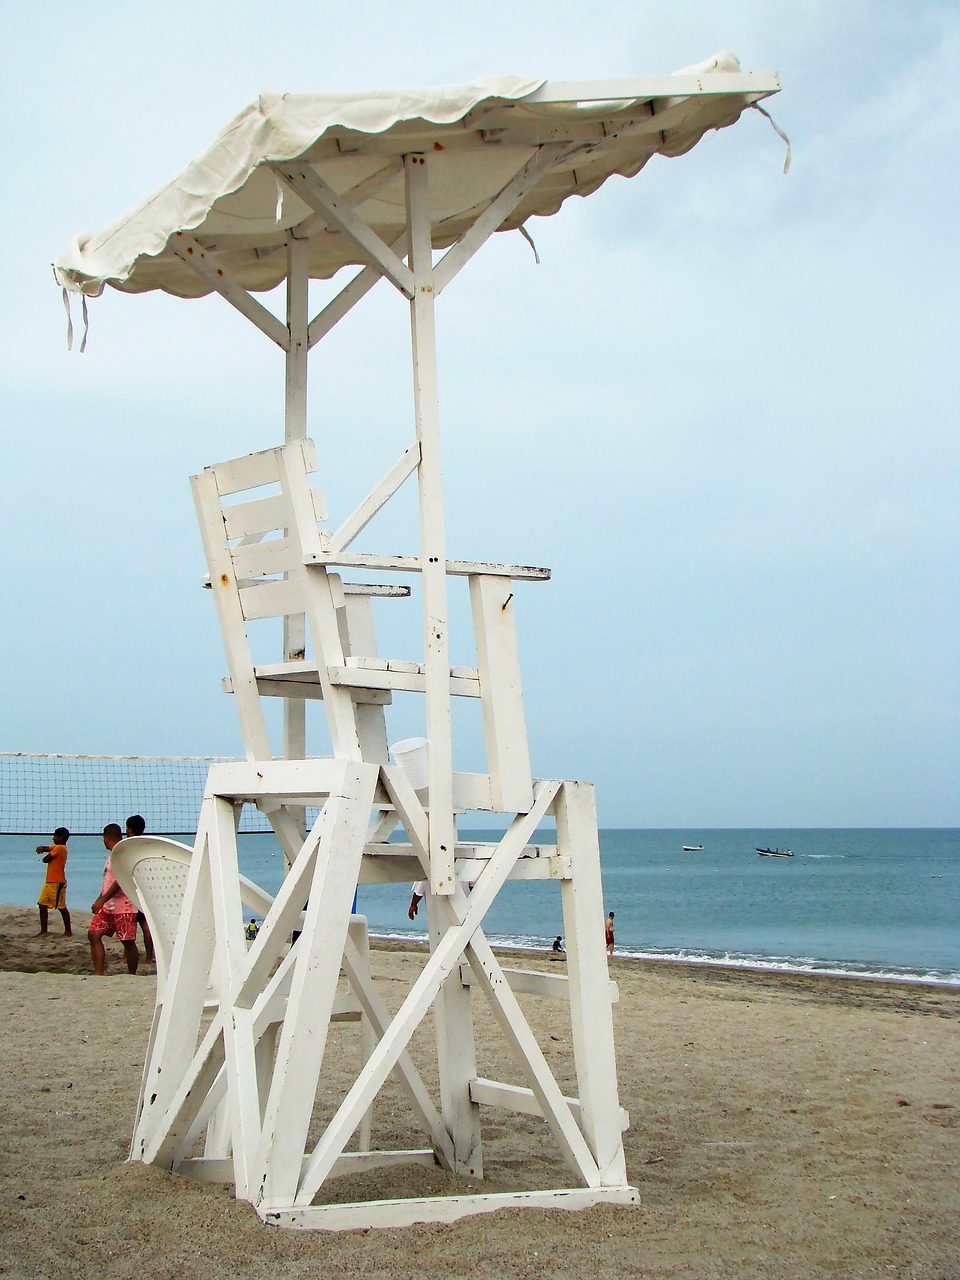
[{"x": 54, "y": 891}]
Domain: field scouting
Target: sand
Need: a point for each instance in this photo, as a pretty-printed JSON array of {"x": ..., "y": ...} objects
[{"x": 782, "y": 1126}]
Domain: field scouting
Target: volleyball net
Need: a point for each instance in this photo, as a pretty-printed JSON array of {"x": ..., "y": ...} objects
[{"x": 83, "y": 793}]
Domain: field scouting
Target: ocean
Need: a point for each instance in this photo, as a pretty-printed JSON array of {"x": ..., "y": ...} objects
[{"x": 864, "y": 902}]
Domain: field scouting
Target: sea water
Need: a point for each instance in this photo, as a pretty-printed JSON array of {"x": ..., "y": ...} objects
[{"x": 870, "y": 902}]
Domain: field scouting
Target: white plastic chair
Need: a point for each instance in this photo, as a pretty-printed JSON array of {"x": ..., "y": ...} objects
[{"x": 152, "y": 872}]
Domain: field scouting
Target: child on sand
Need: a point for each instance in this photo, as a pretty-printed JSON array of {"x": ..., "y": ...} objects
[{"x": 54, "y": 891}]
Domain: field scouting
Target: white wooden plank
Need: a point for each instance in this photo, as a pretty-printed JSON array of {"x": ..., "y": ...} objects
[
  {"x": 274, "y": 555},
  {"x": 501, "y": 694},
  {"x": 192, "y": 252},
  {"x": 526, "y": 869},
  {"x": 403, "y": 870},
  {"x": 414, "y": 564},
  {"x": 426, "y": 408},
  {"x": 358, "y": 946},
  {"x": 357, "y": 195},
  {"x": 456, "y": 1058},
  {"x": 496, "y": 212},
  {"x": 359, "y": 637},
  {"x": 313, "y": 988},
  {"x": 516, "y": 1029},
  {"x": 470, "y": 791},
  {"x": 278, "y": 779},
  {"x": 243, "y": 1094},
  {"x": 590, "y": 1013},
  {"x": 174, "y": 1124},
  {"x": 532, "y": 982},
  {"x": 285, "y": 915},
  {"x": 406, "y": 1213},
  {"x": 356, "y": 965},
  {"x": 510, "y": 1097},
  {"x": 230, "y": 615},
  {"x": 363, "y": 1161},
  {"x": 329, "y": 316},
  {"x": 254, "y": 470},
  {"x": 295, "y": 428},
  {"x": 413, "y": 682},
  {"x": 378, "y": 496},
  {"x": 263, "y": 515},
  {"x": 394, "y": 1039},
  {"x": 410, "y": 810},
  {"x": 182, "y": 999},
  {"x": 322, "y": 198},
  {"x": 295, "y": 365},
  {"x": 271, "y": 599},
  {"x": 725, "y": 83},
  {"x": 295, "y": 484}
]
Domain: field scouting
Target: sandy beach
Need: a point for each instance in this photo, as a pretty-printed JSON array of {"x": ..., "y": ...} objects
[{"x": 782, "y": 1126}]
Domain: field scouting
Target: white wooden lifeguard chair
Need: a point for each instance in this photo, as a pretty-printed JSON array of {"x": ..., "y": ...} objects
[{"x": 407, "y": 186}]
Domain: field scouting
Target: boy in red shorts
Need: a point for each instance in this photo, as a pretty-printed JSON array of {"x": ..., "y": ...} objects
[
  {"x": 113, "y": 913},
  {"x": 54, "y": 891}
]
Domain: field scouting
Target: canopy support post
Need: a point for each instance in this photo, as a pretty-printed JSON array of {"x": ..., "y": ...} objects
[
  {"x": 442, "y": 840},
  {"x": 295, "y": 428}
]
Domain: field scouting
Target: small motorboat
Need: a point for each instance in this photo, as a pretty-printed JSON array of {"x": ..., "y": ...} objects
[
  {"x": 693, "y": 848},
  {"x": 775, "y": 853}
]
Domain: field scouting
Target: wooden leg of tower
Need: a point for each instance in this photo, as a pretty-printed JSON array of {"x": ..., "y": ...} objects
[
  {"x": 590, "y": 1010},
  {"x": 177, "y": 1023},
  {"x": 456, "y": 1057},
  {"x": 275, "y": 1170},
  {"x": 368, "y": 1040}
]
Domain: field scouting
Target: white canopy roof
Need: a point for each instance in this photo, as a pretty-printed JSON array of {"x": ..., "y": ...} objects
[{"x": 243, "y": 210}]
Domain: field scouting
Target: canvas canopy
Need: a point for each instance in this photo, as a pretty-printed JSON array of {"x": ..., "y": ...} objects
[{"x": 248, "y": 194}]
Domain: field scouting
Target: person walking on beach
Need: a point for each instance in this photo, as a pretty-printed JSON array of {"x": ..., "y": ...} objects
[
  {"x": 608, "y": 934},
  {"x": 113, "y": 912},
  {"x": 136, "y": 826},
  {"x": 54, "y": 891}
]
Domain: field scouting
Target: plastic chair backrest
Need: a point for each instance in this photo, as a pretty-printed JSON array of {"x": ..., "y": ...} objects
[{"x": 152, "y": 872}]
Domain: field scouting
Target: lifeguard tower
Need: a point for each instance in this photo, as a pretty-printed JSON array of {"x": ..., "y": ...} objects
[{"x": 406, "y": 186}]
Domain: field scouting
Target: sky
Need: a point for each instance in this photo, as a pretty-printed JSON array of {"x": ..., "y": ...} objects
[{"x": 722, "y": 409}]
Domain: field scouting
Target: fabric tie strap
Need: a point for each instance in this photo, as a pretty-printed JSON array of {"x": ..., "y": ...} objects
[
  {"x": 86, "y": 320},
  {"x": 529, "y": 239},
  {"x": 66, "y": 307},
  {"x": 786, "y": 164}
]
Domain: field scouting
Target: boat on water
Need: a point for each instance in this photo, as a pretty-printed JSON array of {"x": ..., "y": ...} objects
[
  {"x": 775, "y": 853},
  {"x": 693, "y": 848}
]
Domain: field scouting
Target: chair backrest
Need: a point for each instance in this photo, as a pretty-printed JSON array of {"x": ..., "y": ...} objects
[
  {"x": 268, "y": 558},
  {"x": 259, "y": 518},
  {"x": 152, "y": 872}
]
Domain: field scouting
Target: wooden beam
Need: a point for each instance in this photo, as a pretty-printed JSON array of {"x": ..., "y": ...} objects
[
  {"x": 494, "y": 215},
  {"x": 379, "y": 495},
  {"x": 436, "y": 639},
  {"x": 348, "y": 297},
  {"x": 414, "y": 564},
  {"x": 405, "y": 1213},
  {"x": 322, "y": 198},
  {"x": 600, "y": 92},
  {"x": 192, "y": 252}
]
